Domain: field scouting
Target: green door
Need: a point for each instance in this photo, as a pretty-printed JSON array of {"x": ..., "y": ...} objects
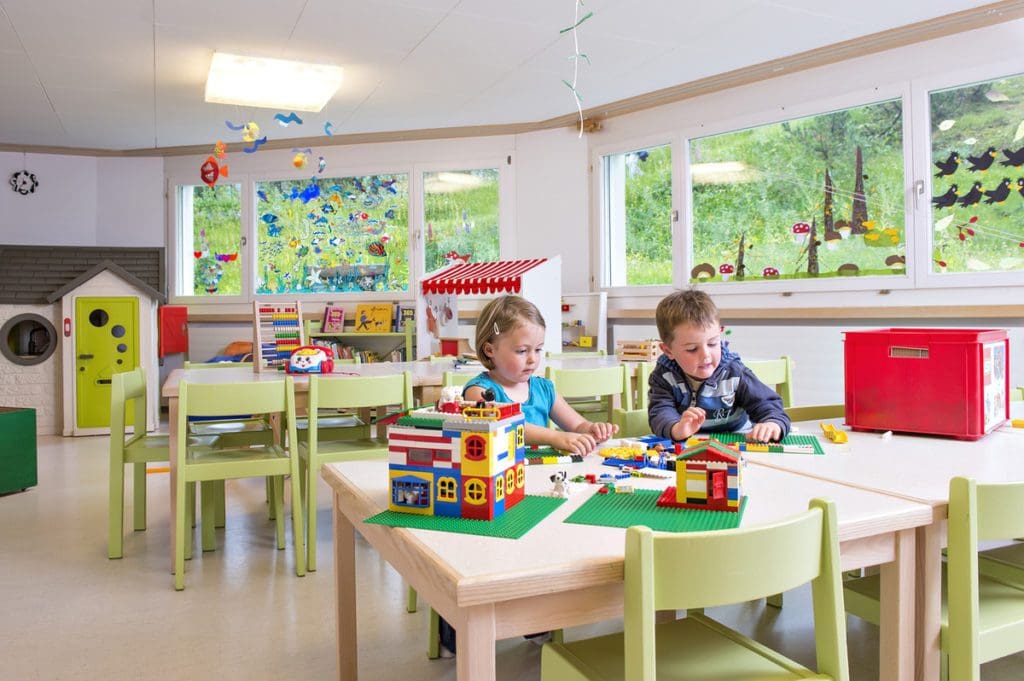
[{"x": 106, "y": 343}]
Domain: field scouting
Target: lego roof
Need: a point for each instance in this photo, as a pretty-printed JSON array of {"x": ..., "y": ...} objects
[
  {"x": 504, "y": 276},
  {"x": 712, "y": 448}
]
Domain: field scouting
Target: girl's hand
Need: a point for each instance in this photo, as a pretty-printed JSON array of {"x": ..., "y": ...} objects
[
  {"x": 689, "y": 423},
  {"x": 600, "y": 431},
  {"x": 575, "y": 443},
  {"x": 769, "y": 431}
]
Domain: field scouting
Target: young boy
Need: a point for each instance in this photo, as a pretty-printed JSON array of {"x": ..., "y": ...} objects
[{"x": 699, "y": 385}]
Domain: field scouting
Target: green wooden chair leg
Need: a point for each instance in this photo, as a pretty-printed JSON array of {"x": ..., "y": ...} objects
[
  {"x": 181, "y": 539},
  {"x": 190, "y": 516},
  {"x": 558, "y": 636},
  {"x": 298, "y": 532},
  {"x": 139, "y": 496},
  {"x": 434, "y": 636},
  {"x": 220, "y": 509},
  {"x": 411, "y": 601},
  {"x": 208, "y": 501},
  {"x": 115, "y": 510},
  {"x": 270, "y": 500},
  {"x": 278, "y": 505},
  {"x": 774, "y": 601},
  {"x": 310, "y": 497}
]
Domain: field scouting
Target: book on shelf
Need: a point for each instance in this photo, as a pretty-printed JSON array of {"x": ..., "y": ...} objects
[
  {"x": 405, "y": 317},
  {"x": 334, "y": 319},
  {"x": 373, "y": 317}
]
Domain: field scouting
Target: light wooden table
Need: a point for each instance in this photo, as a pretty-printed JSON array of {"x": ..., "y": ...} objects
[
  {"x": 917, "y": 468},
  {"x": 561, "y": 575}
]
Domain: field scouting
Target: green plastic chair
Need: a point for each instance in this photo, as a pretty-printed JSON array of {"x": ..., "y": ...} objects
[
  {"x": 136, "y": 449},
  {"x": 760, "y": 561},
  {"x": 982, "y": 617},
  {"x": 204, "y": 463},
  {"x": 816, "y": 412},
  {"x": 348, "y": 392},
  {"x": 634, "y": 422},
  {"x": 588, "y": 384},
  {"x": 456, "y": 378},
  {"x": 582, "y": 354},
  {"x": 236, "y": 431},
  {"x": 777, "y": 373}
]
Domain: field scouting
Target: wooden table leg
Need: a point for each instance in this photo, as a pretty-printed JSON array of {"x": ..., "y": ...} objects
[
  {"x": 345, "y": 587},
  {"x": 929, "y": 595},
  {"x": 172, "y": 447},
  {"x": 474, "y": 660},
  {"x": 897, "y": 614}
]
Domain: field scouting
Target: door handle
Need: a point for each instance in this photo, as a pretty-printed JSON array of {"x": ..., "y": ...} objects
[
  {"x": 85, "y": 356},
  {"x": 103, "y": 381}
]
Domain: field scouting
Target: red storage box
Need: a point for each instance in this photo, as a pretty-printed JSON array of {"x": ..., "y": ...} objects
[{"x": 936, "y": 381}]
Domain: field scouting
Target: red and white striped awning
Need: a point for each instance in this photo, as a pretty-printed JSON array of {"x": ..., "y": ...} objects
[{"x": 504, "y": 276}]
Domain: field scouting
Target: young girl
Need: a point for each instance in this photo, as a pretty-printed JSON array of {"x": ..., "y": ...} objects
[{"x": 510, "y": 343}]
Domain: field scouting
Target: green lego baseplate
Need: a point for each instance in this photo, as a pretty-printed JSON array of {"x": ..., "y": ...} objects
[
  {"x": 810, "y": 441},
  {"x": 435, "y": 423},
  {"x": 640, "y": 508},
  {"x": 550, "y": 455},
  {"x": 512, "y": 524}
]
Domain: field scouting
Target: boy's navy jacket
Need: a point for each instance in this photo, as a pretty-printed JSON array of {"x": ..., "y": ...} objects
[{"x": 732, "y": 398}]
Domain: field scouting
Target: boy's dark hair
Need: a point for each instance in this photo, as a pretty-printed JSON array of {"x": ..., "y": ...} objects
[
  {"x": 499, "y": 316},
  {"x": 689, "y": 306}
]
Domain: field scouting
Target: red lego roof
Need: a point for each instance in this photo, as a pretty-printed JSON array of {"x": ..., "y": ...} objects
[{"x": 504, "y": 276}]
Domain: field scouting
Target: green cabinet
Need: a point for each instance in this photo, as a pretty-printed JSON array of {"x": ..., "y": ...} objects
[{"x": 18, "y": 451}]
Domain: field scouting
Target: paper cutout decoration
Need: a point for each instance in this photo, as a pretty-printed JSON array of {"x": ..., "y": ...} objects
[
  {"x": 210, "y": 171},
  {"x": 285, "y": 120},
  {"x": 24, "y": 182}
]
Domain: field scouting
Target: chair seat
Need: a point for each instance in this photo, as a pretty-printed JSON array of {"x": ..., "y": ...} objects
[
  {"x": 245, "y": 425},
  {"x": 999, "y": 612},
  {"x": 154, "y": 447},
  {"x": 1005, "y": 563},
  {"x": 692, "y": 649},
  {"x": 341, "y": 450},
  {"x": 340, "y": 421}
]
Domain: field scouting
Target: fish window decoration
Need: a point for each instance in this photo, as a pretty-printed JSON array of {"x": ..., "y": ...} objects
[{"x": 345, "y": 234}]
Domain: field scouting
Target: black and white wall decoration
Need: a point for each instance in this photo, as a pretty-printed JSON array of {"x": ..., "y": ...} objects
[{"x": 24, "y": 182}]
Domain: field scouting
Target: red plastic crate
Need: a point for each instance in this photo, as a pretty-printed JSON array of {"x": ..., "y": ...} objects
[{"x": 951, "y": 382}]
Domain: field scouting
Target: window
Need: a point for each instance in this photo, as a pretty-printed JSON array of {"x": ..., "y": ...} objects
[
  {"x": 325, "y": 235},
  {"x": 510, "y": 479},
  {"x": 210, "y": 232},
  {"x": 420, "y": 457},
  {"x": 637, "y": 217},
  {"x": 813, "y": 197},
  {"x": 977, "y": 154},
  {"x": 520, "y": 475},
  {"x": 446, "y": 489},
  {"x": 520, "y": 436},
  {"x": 499, "y": 487},
  {"x": 476, "y": 448},
  {"x": 476, "y": 492},
  {"x": 460, "y": 215}
]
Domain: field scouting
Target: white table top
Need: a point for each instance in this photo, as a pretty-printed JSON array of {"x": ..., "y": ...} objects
[
  {"x": 917, "y": 467},
  {"x": 484, "y": 568}
]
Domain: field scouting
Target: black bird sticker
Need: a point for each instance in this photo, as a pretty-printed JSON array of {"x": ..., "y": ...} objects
[
  {"x": 999, "y": 194},
  {"x": 1013, "y": 158},
  {"x": 1020, "y": 185},
  {"x": 947, "y": 199},
  {"x": 982, "y": 163},
  {"x": 973, "y": 196},
  {"x": 949, "y": 166}
]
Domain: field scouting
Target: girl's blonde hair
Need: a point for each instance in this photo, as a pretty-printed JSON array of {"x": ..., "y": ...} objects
[{"x": 501, "y": 315}]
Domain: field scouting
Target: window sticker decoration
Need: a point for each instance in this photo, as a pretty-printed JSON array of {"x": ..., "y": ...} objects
[{"x": 977, "y": 194}]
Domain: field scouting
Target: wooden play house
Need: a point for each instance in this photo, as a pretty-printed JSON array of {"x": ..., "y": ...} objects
[
  {"x": 437, "y": 311},
  {"x": 464, "y": 462}
]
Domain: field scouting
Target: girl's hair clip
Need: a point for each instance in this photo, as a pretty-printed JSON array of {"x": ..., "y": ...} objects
[{"x": 496, "y": 332}]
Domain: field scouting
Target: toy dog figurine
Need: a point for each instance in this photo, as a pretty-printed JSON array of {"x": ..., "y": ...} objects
[{"x": 562, "y": 488}]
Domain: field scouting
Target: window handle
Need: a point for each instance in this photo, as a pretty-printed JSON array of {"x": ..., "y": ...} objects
[{"x": 918, "y": 192}]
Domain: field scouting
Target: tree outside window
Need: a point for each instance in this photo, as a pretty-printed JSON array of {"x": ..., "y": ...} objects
[
  {"x": 977, "y": 153},
  {"x": 809, "y": 198},
  {"x": 210, "y": 233}
]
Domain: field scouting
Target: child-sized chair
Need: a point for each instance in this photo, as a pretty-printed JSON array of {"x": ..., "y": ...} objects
[
  {"x": 816, "y": 412},
  {"x": 777, "y": 373},
  {"x": 604, "y": 383},
  {"x": 761, "y": 561},
  {"x": 347, "y": 392},
  {"x": 634, "y": 422},
  {"x": 204, "y": 463},
  {"x": 982, "y": 617}
]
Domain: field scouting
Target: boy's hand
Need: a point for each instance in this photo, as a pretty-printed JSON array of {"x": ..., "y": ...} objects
[
  {"x": 575, "y": 443},
  {"x": 769, "y": 431},
  {"x": 690, "y": 422},
  {"x": 600, "y": 431}
]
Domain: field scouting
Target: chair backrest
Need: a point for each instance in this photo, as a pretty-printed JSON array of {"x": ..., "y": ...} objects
[
  {"x": 459, "y": 378},
  {"x": 125, "y": 386},
  {"x": 674, "y": 571},
  {"x": 603, "y": 382},
  {"x": 1017, "y": 394},
  {"x": 777, "y": 373},
  {"x": 642, "y": 383},
  {"x": 816, "y": 411},
  {"x": 977, "y": 512},
  {"x": 356, "y": 392},
  {"x": 229, "y": 399},
  {"x": 217, "y": 365}
]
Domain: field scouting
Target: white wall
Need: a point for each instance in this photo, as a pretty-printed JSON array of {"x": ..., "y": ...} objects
[{"x": 83, "y": 201}]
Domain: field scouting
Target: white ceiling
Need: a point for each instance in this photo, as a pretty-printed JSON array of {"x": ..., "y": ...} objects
[{"x": 130, "y": 74}]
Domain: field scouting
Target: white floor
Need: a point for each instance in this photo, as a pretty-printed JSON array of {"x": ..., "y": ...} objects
[{"x": 70, "y": 613}]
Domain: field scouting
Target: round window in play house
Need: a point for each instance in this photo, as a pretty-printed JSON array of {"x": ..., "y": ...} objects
[{"x": 28, "y": 339}]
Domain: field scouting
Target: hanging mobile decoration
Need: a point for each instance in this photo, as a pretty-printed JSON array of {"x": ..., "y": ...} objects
[{"x": 577, "y": 55}]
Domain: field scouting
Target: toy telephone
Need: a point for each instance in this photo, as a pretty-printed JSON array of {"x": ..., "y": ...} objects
[{"x": 310, "y": 359}]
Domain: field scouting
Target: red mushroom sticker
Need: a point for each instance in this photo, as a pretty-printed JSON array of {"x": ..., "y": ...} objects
[
  {"x": 801, "y": 230},
  {"x": 726, "y": 270},
  {"x": 769, "y": 272}
]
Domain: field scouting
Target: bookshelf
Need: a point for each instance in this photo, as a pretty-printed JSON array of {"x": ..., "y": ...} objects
[
  {"x": 378, "y": 346},
  {"x": 584, "y": 322}
]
